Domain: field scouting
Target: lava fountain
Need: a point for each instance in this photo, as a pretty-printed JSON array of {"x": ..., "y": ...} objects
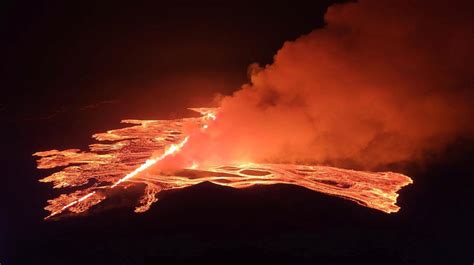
[{"x": 125, "y": 157}]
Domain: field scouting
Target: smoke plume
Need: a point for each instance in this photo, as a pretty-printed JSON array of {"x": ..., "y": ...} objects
[{"x": 383, "y": 82}]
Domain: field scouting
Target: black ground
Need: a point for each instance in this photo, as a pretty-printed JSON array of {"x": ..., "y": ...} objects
[
  {"x": 70, "y": 71},
  {"x": 273, "y": 224}
]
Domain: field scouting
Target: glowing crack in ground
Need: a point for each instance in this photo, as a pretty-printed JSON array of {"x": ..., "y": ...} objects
[{"x": 125, "y": 154}]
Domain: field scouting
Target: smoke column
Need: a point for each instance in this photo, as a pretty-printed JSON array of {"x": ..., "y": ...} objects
[{"x": 383, "y": 82}]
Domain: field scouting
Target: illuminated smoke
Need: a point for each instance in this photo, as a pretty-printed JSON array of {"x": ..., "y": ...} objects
[
  {"x": 143, "y": 154},
  {"x": 383, "y": 82}
]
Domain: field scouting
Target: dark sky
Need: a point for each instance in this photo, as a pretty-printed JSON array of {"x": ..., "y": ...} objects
[
  {"x": 157, "y": 56},
  {"x": 70, "y": 70}
]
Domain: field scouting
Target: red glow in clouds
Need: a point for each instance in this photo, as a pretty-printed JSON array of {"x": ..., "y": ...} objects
[
  {"x": 149, "y": 153},
  {"x": 383, "y": 82}
]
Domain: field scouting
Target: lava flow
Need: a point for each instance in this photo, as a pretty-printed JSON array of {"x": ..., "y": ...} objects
[{"x": 129, "y": 152}]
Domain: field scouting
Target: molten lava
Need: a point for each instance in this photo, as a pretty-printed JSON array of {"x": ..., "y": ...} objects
[{"x": 129, "y": 153}]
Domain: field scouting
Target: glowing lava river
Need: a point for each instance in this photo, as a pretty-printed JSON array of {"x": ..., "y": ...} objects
[{"x": 126, "y": 155}]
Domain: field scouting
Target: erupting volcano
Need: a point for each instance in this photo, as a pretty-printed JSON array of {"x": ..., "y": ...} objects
[
  {"x": 132, "y": 155},
  {"x": 223, "y": 132}
]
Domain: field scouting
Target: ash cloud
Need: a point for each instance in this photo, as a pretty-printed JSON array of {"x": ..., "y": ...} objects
[{"x": 383, "y": 82}]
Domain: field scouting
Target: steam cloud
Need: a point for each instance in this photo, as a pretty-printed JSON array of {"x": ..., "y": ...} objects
[{"x": 383, "y": 82}]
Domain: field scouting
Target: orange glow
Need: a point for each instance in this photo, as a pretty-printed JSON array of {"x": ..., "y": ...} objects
[
  {"x": 173, "y": 148},
  {"x": 132, "y": 156}
]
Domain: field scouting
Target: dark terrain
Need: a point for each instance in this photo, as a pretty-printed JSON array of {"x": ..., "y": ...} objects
[
  {"x": 69, "y": 71},
  {"x": 270, "y": 224}
]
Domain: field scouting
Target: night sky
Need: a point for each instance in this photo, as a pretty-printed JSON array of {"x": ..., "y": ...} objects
[{"x": 70, "y": 70}]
